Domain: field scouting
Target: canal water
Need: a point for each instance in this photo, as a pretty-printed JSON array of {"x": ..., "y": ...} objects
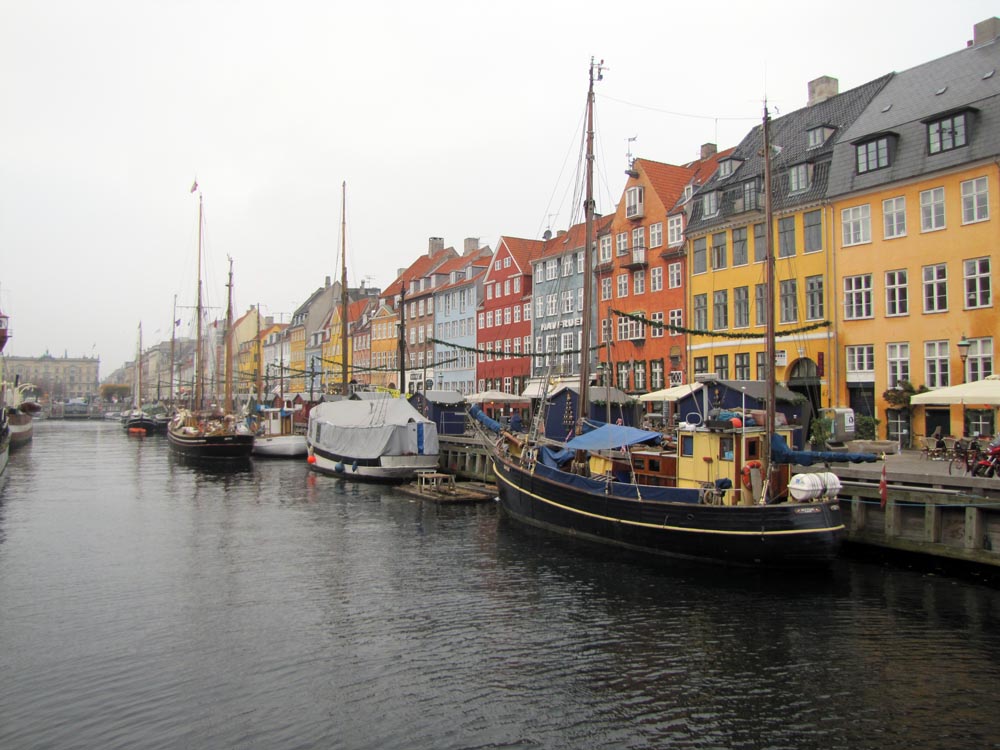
[{"x": 145, "y": 603}]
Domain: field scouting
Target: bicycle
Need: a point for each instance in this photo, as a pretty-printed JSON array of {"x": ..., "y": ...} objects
[{"x": 965, "y": 457}]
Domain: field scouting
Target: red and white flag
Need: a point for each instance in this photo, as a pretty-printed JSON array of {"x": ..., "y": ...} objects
[
  {"x": 883, "y": 487},
  {"x": 194, "y": 186}
]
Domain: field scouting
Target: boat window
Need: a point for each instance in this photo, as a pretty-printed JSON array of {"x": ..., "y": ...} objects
[
  {"x": 753, "y": 450},
  {"x": 726, "y": 448},
  {"x": 687, "y": 445},
  {"x": 639, "y": 463},
  {"x": 654, "y": 465}
]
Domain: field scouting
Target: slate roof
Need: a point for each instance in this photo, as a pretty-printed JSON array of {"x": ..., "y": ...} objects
[
  {"x": 789, "y": 137},
  {"x": 911, "y": 98}
]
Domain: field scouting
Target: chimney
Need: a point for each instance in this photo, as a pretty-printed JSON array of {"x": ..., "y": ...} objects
[
  {"x": 708, "y": 150},
  {"x": 434, "y": 244},
  {"x": 822, "y": 88},
  {"x": 471, "y": 245},
  {"x": 327, "y": 281},
  {"x": 985, "y": 31}
]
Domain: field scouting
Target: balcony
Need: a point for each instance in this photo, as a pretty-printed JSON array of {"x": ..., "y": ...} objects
[
  {"x": 635, "y": 211},
  {"x": 637, "y": 258}
]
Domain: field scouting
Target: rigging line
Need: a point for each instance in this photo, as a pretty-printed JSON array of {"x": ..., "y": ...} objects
[
  {"x": 562, "y": 169},
  {"x": 675, "y": 113}
]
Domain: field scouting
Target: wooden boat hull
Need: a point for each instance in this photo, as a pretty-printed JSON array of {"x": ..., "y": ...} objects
[
  {"x": 219, "y": 447},
  {"x": 784, "y": 534},
  {"x": 21, "y": 429},
  {"x": 146, "y": 423}
]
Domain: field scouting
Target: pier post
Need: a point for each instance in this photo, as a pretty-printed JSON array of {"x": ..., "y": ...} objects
[
  {"x": 932, "y": 522},
  {"x": 973, "y": 528}
]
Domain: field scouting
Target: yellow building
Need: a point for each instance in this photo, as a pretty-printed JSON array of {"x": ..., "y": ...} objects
[
  {"x": 915, "y": 185},
  {"x": 385, "y": 346},
  {"x": 726, "y": 245}
]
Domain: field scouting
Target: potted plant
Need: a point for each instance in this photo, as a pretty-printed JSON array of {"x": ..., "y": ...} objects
[{"x": 820, "y": 432}]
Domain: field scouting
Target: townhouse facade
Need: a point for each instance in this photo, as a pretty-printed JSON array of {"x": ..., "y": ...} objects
[
  {"x": 384, "y": 346},
  {"x": 914, "y": 186},
  {"x": 456, "y": 299},
  {"x": 504, "y": 318}
]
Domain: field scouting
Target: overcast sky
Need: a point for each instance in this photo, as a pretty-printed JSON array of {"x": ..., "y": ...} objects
[{"x": 450, "y": 119}]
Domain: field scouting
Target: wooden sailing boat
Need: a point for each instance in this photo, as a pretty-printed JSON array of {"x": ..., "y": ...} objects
[
  {"x": 215, "y": 433},
  {"x": 633, "y": 489},
  {"x": 136, "y": 421}
]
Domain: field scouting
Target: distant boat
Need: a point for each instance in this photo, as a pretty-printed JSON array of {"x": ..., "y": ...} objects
[
  {"x": 275, "y": 436},
  {"x": 381, "y": 439},
  {"x": 213, "y": 434},
  {"x": 136, "y": 421},
  {"x": 4, "y": 427},
  {"x": 20, "y": 414}
]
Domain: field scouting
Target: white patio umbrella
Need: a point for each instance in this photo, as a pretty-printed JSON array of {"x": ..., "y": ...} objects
[{"x": 979, "y": 392}]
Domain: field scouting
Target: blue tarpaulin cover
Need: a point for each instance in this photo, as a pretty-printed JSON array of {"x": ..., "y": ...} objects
[
  {"x": 611, "y": 436},
  {"x": 782, "y": 454}
]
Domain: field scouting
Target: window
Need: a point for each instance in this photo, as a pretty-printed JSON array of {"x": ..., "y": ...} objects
[
  {"x": 701, "y": 312},
  {"x": 700, "y": 365},
  {"x": 656, "y": 332},
  {"x": 812, "y": 229},
  {"x": 605, "y": 251},
  {"x": 639, "y": 237},
  {"x": 759, "y": 244},
  {"x": 946, "y": 134},
  {"x": 506, "y": 287},
  {"x": 936, "y": 364},
  {"x": 656, "y": 234},
  {"x": 567, "y": 301},
  {"x": 726, "y": 167},
  {"x": 605, "y": 289},
  {"x": 873, "y": 155},
  {"x": 674, "y": 275},
  {"x": 517, "y": 287},
  {"x": 860, "y": 363},
  {"x": 762, "y": 365},
  {"x": 786, "y": 237},
  {"x": 506, "y": 262},
  {"x": 551, "y": 269},
  {"x": 621, "y": 243},
  {"x": 539, "y": 273},
  {"x": 798, "y": 178},
  {"x": 857, "y": 297},
  {"x": 817, "y": 137},
  {"x": 978, "y": 291},
  {"x": 720, "y": 309},
  {"x": 622, "y": 285},
  {"x": 567, "y": 265},
  {"x": 740, "y": 246},
  {"x": 675, "y": 230},
  {"x": 722, "y": 366},
  {"x": 932, "y": 209},
  {"x": 579, "y": 262},
  {"x": 710, "y": 204},
  {"x": 656, "y": 279},
  {"x": 718, "y": 250},
  {"x": 623, "y": 369},
  {"x": 539, "y": 306},
  {"x": 639, "y": 282},
  {"x": 741, "y": 366},
  {"x": 550, "y": 304},
  {"x": 634, "y": 202},
  {"x": 675, "y": 319},
  {"x": 894, "y": 217},
  {"x": 605, "y": 330},
  {"x": 788, "y": 300},
  {"x": 856, "y": 223},
  {"x": 898, "y": 361},
  {"x": 751, "y": 195},
  {"x": 815, "y": 309},
  {"x": 630, "y": 329},
  {"x": 482, "y": 320},
  {"x": 527, "y": 311},
  {"x": 517, "y": 313},
  {"x": 656, "y": 374},
  {"x": 741, "y": 307},
  {"x": 897, "y": 300},
  {"x": 639, "y": 376},
  {"x": 700, "y": 260},
  {"x": 489, "y": 318},
  {"x": 760, "y": 304},
  {"x": 979, "y": 363},
  {"x": 935, "y": 288},
  {"x": 975, "y": 200}
]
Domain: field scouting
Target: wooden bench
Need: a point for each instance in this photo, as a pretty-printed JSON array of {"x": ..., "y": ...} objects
[{"x": 435, "y": 481}]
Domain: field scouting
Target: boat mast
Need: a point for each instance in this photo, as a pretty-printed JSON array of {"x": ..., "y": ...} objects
[
  {"x": 343, "y": 282},
  {"x": 138, "y": 372},
  {"x": 402, "y": 338},
  {"x": 229, "y": 344},
  {"x": 769, "y": 416},
  {"x": 173, "y": 337},
  {"x": 260, "y": 358},
  {"x": 588, "y": 207},
  {"x": 199, "y": 365}
]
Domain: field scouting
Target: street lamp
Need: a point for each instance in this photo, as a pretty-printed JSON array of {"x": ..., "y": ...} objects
[{"x": 963, "y": 352}]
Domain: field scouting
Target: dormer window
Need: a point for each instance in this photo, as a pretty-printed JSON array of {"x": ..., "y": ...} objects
[
  {"x": 710, "y": 204},
  {"x": 799, "y": 178},
  {"x": 688, "y": 192},
  {"x": 873, "y": 154},
  {"x": 947, "y": 133},
  {"x": 728, "y": 166},
  {"x": 818, "y": 136}
]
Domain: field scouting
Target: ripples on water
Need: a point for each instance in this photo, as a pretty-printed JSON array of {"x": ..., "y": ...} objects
[{"x": 148, "y": 603}]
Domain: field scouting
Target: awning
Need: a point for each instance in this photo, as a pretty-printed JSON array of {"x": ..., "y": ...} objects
[
  {"x": 495, "y": 397},
  {"x": 985, "y": 392},
  {"x": 672, "y": 394}
]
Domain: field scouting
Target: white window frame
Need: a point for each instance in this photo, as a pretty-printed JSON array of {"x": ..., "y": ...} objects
[
  {"x": 675, "y": 230},
  {"x": 936, "y": 364},
  {"x": 858, "y": 297},
  {"x": 932, "y": 214},
  {"x": 975, "y": 200},
  {"x": 656, "y": 234},
  {"x": 856, "y": 224},
  {"x": 935, "y": 288},
  {"x": 894, "y": 217},
  {"x": 897, "y": 363},
  {"x": 897, "y": 293},
  {"x": 976, "y": 274},
  {"x": 674, "y": 276},
  {"x": 656, "y": 279}
]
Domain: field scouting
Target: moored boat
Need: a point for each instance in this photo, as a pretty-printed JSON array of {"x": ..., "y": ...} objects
[
  {"x": 276, "y": 436},
  {"x": 380, "y": 439}
]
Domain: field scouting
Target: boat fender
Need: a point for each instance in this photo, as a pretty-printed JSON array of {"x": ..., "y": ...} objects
[
  {"x": 747, "y": 467},
  {"x": 338, "y": 467},
  {"x": 354, "y": 466}
]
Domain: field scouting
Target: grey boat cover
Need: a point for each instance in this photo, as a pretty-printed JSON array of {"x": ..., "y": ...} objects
[{"x": 370, "y": 429}]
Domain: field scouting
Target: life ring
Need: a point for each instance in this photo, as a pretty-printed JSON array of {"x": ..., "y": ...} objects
[{"x": 746, "y": 471}]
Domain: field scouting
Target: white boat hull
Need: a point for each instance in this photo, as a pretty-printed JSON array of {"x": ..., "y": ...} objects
[
  {"x": 388, "y": 468},
  {"x": 280, "y": 446}
]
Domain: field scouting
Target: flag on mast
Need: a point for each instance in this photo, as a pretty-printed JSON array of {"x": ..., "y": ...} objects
[
  {"x": 883, "y": 487},
  {"x": 194, "y": 186}
]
